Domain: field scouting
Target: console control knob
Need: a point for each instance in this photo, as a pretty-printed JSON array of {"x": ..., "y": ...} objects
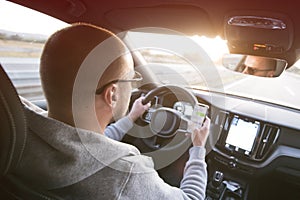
[{"x": 217, "y": 179}]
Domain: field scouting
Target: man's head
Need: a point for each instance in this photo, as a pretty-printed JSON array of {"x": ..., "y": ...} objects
[
  {"x": 260, "y": 66},
  {"x": 61, "y": 60}
]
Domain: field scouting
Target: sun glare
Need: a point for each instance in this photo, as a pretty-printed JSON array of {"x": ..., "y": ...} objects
[{"x": 214, "y": 47}]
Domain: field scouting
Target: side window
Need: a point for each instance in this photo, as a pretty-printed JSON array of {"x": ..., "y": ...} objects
[{"x": 23, "y": 33}]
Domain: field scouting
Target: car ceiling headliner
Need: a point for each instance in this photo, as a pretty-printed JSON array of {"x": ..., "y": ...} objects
[{"x": 203, "y": 17}]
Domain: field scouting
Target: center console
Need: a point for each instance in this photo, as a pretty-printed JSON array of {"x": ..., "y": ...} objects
[
  {"x": 241, "y": 149},
  {"x": 218, "y": 188},
  {"x": 245, "y": 138}
]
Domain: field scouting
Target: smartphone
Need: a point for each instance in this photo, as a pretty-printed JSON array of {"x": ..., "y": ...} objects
[{"x": 198, "y": 116}]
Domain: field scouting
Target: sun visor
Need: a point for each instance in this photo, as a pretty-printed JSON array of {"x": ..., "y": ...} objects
[
  {"x": 258, "y": 33},
  {"x": 186, "y": 19}
]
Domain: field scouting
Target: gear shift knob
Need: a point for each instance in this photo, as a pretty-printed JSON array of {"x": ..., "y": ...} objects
[{"x": 217, "y": 179}]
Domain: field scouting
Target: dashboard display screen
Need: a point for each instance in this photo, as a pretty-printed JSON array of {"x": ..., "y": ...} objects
[{"x": 241, "y": 135}]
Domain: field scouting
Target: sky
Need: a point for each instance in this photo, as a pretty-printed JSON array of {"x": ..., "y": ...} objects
[{"x": 19, "y": 19}]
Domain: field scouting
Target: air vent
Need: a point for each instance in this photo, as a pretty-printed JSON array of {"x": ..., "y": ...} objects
[{"x": 269, "y": 136}]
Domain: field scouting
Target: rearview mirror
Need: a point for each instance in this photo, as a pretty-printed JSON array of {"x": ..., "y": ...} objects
[{"x": 254, "y": 65}]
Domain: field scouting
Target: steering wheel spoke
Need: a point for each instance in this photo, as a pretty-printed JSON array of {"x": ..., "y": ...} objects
[{"x": 152, "y": 142}]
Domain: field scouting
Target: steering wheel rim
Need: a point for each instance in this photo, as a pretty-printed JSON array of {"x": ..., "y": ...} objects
[{"x": 165, "y": 88}]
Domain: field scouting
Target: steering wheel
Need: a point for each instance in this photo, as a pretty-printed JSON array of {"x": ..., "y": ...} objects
[
  {"x": 162, "y": 130},
  {"x": 167, "y": 125}
]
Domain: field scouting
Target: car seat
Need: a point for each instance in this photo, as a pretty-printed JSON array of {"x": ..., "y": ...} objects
[{"x": 13, "y": 135}]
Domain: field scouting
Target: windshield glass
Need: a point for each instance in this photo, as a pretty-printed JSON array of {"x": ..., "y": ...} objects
[
  {"x": 23, "y": 33},
  {"x": 196, "y": 62}
]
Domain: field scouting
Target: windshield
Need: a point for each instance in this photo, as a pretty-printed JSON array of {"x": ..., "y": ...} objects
[
  {"x": 196, "y": 62},
  {"x": 23, "y": 33}
]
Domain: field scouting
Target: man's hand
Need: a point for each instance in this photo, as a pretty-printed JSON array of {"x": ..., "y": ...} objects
[
  {"x": 199, "y": 135},
  {"x": 138, "y": 109}
]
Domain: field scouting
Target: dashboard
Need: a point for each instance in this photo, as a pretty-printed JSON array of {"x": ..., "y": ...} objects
[{"x": 253, "y": 143}]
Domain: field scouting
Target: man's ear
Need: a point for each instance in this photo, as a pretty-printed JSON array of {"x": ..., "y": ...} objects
[{"x": 109, "y": 95}]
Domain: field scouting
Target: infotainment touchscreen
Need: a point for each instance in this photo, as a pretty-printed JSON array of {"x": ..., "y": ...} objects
[{"x": 242, "y": 134}]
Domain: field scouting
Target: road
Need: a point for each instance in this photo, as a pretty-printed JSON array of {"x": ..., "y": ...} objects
[{"x": 282, "y": 90}]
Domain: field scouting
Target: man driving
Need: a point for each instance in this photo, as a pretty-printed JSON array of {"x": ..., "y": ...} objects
[{"x": 69, "y": 155}]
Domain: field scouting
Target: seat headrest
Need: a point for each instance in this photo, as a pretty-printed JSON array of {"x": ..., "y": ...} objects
[{"x": 13, "y": 125}]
